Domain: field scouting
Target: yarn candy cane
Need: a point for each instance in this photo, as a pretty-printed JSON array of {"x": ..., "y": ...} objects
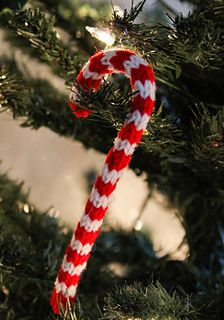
[{"x": 143, "y": 83}]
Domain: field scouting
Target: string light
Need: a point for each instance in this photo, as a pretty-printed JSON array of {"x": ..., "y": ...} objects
[
  {"x": 101, "y": 35},
  {"x": 26, "y": 208},
  {"x": 138, "y": 226}
]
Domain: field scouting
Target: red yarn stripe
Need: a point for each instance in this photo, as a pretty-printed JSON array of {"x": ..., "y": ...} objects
[
  {"x": 129, "y": 132},
  {"x": 85, "y": 237},
  {"x": 143, "y": 105},
  {"x": 94, "y": 213},
  {"x": 75, "y": 257},
  {"x": 104, "y": 188}
]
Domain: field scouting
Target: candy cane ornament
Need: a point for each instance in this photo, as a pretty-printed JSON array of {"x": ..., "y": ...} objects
[{"x": 90, "y": 77}]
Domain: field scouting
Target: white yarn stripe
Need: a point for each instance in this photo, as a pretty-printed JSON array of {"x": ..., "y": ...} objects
[
  {"x": 133, "y": 62},
  {"x": 90, "y": 225},
  {"x": 66, "y": 291},
  {"x": 71, "y": 268},
  {"x": 145, "y": 90},
  {"x": 89, "y": 74},
  {"x": 110, "y": 176},
  {"x": 124, "y": 145},
  {"x": 106, "y": 59},
  {"x": 139, "y": 120},
  {"x": 73, "y": 94},
  {"x": 99, "y": 201},
  {"x": 79, "y": 247}
]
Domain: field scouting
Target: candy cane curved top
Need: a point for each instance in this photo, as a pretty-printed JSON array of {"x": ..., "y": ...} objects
[{"x": 143, "y": 83}]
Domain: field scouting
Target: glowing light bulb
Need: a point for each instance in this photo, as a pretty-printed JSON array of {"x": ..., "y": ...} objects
[
  {"x": 138, "y": 226},
  {"x": 101, "y": 35}
]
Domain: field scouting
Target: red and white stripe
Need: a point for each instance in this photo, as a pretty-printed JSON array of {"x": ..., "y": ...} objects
[{"x": 142, "y": 81}]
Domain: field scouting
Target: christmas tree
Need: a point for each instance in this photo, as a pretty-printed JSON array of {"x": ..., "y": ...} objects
[{"x": 181, "y": 155}]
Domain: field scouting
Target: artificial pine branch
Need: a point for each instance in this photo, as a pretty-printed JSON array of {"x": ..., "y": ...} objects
[
  {"x": 11, "y": 90},
  {"x": 187, "y": 39},
  {"x": 39, "y": 30},
  {"x": 152, "y": 302},
  {"x": 109, "y": 108},
  {"x": 202, "y": 35},
  {"x": 69, "y": 19},
  {"x": 32, "y": 245},
  {"x": 129, "y": 16},
  {"x": 45, "y": 27}
]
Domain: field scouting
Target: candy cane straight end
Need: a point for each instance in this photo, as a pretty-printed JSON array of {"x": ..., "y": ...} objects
[
  {"x": 54, "y": 302},
  {"x": 90, "y": 77},
  {"x": 59, "y": 299}
]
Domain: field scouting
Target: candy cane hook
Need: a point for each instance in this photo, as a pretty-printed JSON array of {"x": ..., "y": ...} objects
[{"x": 142, "y": 81}]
